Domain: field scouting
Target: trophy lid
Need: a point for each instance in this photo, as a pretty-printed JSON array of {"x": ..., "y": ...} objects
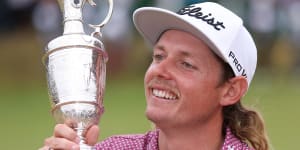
[{"x": 72, "y": 14}]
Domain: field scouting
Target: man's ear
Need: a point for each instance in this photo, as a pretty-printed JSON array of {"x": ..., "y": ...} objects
[{"x": 233, "y": 90}]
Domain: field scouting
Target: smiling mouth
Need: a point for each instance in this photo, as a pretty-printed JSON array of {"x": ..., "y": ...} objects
[{"x": 164, "y": 94}]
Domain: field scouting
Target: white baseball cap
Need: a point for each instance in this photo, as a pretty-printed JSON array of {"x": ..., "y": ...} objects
[{"x": 218, "y": 27}]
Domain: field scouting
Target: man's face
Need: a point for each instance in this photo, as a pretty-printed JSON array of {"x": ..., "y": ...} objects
[{"x": 182, "y": 84}]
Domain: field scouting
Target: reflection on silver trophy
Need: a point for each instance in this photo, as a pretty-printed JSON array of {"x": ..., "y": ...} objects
[{"x": 76, "y": 70}]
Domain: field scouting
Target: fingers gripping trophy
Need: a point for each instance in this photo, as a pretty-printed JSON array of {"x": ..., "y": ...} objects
[{"x": 76, "y": 70}]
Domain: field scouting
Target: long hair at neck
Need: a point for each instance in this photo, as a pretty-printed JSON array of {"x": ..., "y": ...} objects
[{"x": 245, "y": 123}]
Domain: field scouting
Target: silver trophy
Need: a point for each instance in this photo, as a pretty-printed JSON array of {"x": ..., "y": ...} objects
[{"x": 76, "y": 70}]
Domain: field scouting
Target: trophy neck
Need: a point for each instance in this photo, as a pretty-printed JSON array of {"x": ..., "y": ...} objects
[{"x": 72, "y": 12}]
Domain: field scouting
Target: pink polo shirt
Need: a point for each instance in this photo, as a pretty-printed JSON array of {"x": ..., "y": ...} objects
[{"x": 149, "y": 141}]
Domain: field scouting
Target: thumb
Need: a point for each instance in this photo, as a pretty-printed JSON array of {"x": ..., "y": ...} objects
[{"x": 92, "y": 135}]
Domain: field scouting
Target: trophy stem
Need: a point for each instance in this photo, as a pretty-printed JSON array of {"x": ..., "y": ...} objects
[{"x": 80, "y": 132}]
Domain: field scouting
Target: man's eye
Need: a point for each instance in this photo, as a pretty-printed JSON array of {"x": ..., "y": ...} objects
[
  {"x": 157, "y": 57},
  {"x": 188, "y": 65}
]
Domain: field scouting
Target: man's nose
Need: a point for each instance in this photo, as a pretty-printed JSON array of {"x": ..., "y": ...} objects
[{"x": 163, "y": 69}]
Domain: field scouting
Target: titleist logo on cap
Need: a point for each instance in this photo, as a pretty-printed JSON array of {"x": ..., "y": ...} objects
[{"x": 197, "y": 13}]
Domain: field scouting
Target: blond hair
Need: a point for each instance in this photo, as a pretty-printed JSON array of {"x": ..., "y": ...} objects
[{"x": 247, "y": 125}]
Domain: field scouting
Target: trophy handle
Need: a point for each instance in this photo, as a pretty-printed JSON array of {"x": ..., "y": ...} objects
[{"x": 97, "y": 32}]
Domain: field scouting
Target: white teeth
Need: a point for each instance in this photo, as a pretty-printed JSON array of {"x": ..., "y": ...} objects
[{"x": 163, "y": 94}]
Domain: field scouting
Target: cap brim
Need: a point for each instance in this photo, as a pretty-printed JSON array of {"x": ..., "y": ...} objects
[{"x": 151, "y": 22}]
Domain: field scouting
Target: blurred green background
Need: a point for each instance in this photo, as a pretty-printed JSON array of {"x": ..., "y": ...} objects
[{"x": 25, "y": 108}]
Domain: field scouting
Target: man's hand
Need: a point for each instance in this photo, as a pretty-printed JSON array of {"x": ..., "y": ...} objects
[{"x": 65, "y": 138}]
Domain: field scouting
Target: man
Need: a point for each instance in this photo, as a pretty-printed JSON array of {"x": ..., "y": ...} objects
[{"x": 203, "y": 62}]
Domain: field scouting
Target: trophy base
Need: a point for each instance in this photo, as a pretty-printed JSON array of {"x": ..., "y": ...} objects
[
  {"x": 79, "y": 115},
  {"x": 73, "y": 113}
]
